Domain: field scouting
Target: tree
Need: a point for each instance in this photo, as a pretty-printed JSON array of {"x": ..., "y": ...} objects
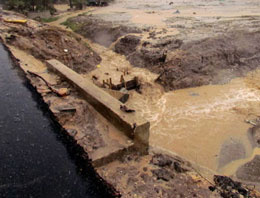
[
  {"x": 29, "y": 5},
  {"x": 79, "y": 4},
  {"x": 70, "y": 2}
]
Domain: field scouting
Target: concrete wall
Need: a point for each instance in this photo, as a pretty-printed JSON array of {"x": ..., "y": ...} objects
[{"x": 135, "y": 128}]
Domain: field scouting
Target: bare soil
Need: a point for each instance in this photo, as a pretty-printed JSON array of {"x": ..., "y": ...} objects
[
  {"x": 211, "y": 61},
  {"x": 46, "y": 42},
  {"x": 100, "y": 31},
  {"x": 155, "y": 176},
  {"x": 209, "y": 50}
]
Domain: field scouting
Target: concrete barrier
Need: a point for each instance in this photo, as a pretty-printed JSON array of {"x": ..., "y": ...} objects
[{"x": 135, "y": 128}]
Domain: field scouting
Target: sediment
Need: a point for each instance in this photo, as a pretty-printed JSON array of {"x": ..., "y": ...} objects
[
  {"x": 153, "y": 175},
  {"x": 200, "y": 58}
]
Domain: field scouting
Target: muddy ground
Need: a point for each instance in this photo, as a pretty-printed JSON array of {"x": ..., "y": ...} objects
[
  {"x": 45, "y": 42},
  {"x": 154, "y": 175},
  {"x": 186, "y": 51},
  {"x": 158, "y": 175},
  {"x": 188, "y": 44}
]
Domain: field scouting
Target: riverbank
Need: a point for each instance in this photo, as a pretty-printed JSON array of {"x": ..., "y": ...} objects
[{"x": 134, "y": 176}]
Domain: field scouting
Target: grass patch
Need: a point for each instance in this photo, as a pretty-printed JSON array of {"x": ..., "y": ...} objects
[
  {"x": 72, "y": 25},
  {"x": 48, "y": 20}
]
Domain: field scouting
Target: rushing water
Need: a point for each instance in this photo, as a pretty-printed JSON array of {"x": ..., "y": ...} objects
[{"x": 36, "y": 158}]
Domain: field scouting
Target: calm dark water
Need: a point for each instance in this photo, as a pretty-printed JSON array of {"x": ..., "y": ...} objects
[{"x": 37, "y": 159}]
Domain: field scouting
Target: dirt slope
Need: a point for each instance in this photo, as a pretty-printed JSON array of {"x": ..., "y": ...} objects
[{"x": 45, "y": 42}]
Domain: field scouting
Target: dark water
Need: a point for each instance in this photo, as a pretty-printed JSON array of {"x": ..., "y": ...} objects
[{"x": 37, "y": 159}]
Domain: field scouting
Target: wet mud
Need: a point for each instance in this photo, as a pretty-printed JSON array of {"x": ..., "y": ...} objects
[
  {"x": 186, "y": 51},
  {"x": 155, "y": 176},
  {"x": 214, "y": 60},
  {"x": 250, "y": 171},
  {"x": 100, "y": 31},
  {"x": 45, "y": 42},
  {"x": 206, "y": 125},
  {"x": 200, "y": 57}
]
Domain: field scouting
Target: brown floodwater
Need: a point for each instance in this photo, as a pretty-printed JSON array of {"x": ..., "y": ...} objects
[
  {"x": 155, "y": 13},
  {"x": 195, "y": 123},
  {"x": 206, "y": 125}
]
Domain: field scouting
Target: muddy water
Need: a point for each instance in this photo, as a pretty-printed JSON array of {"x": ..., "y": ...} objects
[
  {"x": 155, "y": 13},
  {"x": 201, "y": 124},
  {"x": 36, "y": 158},
  {"x": 206, "y": 125}
]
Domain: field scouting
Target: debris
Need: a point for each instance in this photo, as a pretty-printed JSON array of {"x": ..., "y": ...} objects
[
  {"x": 72, "y": 132},
  {"x": 94, "y": 77},
  {"x": 98, "y": 66},
  {"x": 124, "y": 98},
  {"x": 173, "y": 164},
  {"x": 47, "y": 84},
  {"x": 125, "y": 109},
  {"x": 251, "y": 122},
  {"x": 10, "y": 37},
  {"x": 63, "y": 91},
  {"x": 212, "y": 188},
  {"x": 22, "y": 21},
  {"x": 229, "y": 188},
  {"x": 128, "y": 85},
  {"x": 178, "y": 168},
  {"x": 134, "y": 126},
  {"x": 177, "y": 12},
  {"x": 70, "y": 109},
  {"x": 123, "y": 90},
  {"x": 163, "y": 174}
]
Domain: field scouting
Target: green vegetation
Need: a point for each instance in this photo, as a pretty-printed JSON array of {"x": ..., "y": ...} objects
[
  {"x": 72, "y": 25},
  {"x": 29, "y": 5},
  {"x": 48, "y": 20},
  {"x": 24, "y": 6}
]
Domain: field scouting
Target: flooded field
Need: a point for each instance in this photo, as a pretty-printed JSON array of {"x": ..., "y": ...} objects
[
  {"x": 198, "y": 65},
  {"x": 208, "y": 125}
]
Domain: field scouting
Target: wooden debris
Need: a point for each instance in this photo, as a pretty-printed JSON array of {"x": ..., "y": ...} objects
[
  {"x": 125, "y": 109},
  {"x": 47, "y": 84},
  {"x": 128, "y": 85},
  {"x": 94, "y": 77},
  {"x": 69, "y": 109},
  {"x": 124, "y": 98}
]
